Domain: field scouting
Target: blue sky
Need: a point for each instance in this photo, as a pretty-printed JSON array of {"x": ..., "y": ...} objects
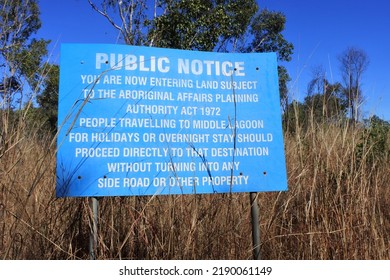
[
  {"x": 322, "y": 30},
  {"x": 319, "y": 30}
]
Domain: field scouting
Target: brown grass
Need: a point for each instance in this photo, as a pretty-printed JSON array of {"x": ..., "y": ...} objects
[{"x": 337, "y": 207}]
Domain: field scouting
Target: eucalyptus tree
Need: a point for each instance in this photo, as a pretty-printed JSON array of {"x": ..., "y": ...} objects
[
  {"x": 203, "y": 25},
  {"x": 21, "y": 55},
  {"x": 266, "y": 29},
  {"x": 206, "y": 25},
  {"x": 48, "y": 99}
]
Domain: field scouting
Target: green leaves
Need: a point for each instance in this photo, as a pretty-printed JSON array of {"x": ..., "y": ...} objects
[
  {"x": 29, "y": 60},
  {"x": 201, "y": 24},
  {"x": 266, "y": 29},
  {"x": 19, "y": 20},
  {"x": 21, "y": 55},
  {"x": 48, "y": 100},
  {"x": 205, "y": 25}
]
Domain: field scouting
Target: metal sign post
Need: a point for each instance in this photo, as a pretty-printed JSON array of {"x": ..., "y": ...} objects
[
  {"x": 255, "y": 225},
  {"x": 94, "y": 228}
]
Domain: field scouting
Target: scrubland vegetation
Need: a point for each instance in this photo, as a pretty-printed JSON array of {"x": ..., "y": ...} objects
[{"x": 337, "y": 205}]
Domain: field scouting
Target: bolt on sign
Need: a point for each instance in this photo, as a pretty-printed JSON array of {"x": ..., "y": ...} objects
[{"x": 152, "y": 121}]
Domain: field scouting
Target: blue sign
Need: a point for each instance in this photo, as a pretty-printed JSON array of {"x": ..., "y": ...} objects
[{"x": 150, "y": 121}]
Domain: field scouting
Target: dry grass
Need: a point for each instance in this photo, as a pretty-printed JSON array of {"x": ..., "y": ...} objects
[{"x": 337, "y": 207}]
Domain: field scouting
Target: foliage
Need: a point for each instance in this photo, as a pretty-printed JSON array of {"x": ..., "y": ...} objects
[
  {"x": 48, "y": 100},
  {"x": 19, "y": 19},
  {"x": 294, "y": 116},
  {"x": 376, "y": 136},
  {"x": 30, "y": 62},
  {"x": 194, "y": 25},
  {"x": 128, "y": 17},
  {"x": 323, "y": 107},
  {"x": 329, "y": 105},
  {"x": 21, "y": 56},
  {"x": 204, "y": 25},
  {"x": 266, "y": 29},
  {"x": 284, "y": 78}
]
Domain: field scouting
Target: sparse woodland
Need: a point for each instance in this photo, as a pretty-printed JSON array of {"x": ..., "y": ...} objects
[{"x": 338, "y": 161}]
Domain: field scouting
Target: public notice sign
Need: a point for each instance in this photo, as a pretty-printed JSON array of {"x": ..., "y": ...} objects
[{"x": 150, "y": 121}]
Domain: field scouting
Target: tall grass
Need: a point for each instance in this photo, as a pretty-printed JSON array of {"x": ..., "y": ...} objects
[{"x": 337, "y": 206}]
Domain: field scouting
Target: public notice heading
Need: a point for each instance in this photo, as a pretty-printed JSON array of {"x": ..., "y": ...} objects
[{"x": 150, "y": 121}]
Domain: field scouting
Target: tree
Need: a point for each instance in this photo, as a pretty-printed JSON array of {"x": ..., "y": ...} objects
[
  {"x": 205, "y": 25},
  {"x": 131, "y": 18},
  {"x": 326, "y": 106},
  {"x": 324, "y": 100},
  {"x": 284, "y": 78},
  {"x": 266, "y": 29},
  {"x": 295, "y": 117},
  {"x": 193, "y": 25},
  {"x": 20, "y": 55},
  {"x": 48, "y": 99},
  {"x": 374, "y": 144},
  {"x": 353, "y": 63},
  {"x": 324, "y": 103}
]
